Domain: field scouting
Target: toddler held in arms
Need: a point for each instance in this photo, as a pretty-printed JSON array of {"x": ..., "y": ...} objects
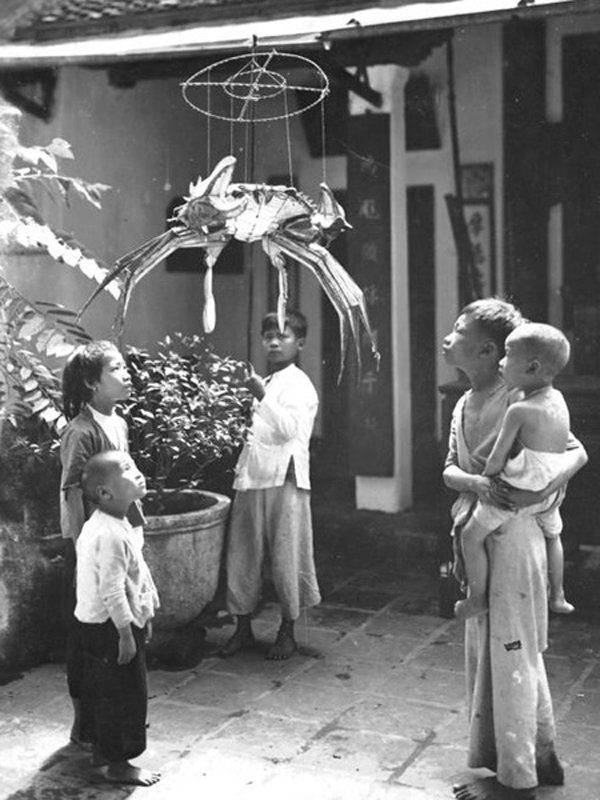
[{"x": 528, "y": 454}]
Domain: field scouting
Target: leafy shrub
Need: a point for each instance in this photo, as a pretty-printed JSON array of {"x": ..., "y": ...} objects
[{"x": 187, "y": 414}]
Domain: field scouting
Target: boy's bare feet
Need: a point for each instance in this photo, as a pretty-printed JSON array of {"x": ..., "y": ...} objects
[
  {"x": 242, "y": 638},
  {"x": 463, "y": 609},
  {"x": 285, "y": 645},
  {"x": 126, "y": 773},
  {"x": 239, "y": 641},
  {"x": 560, "y": 605},
  {"x": 490, "y": 789}
]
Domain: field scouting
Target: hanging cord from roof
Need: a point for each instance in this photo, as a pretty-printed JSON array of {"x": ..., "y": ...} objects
[
  {"x": 250, "y": 139},
  {"x": 323, "y": 141},
  {"x": 208, "y": 129}
]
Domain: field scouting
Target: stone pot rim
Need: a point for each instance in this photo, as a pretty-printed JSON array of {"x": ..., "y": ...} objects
[{"x": 189, "y": 521}]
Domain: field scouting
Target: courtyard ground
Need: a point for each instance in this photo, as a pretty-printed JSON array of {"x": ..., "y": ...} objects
[{"x": 371, "y": 708}]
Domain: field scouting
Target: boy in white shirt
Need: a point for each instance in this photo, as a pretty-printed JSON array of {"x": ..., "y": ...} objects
[
  {"x": 271, "y": 509},
  {"x": 116, "y": 600}
]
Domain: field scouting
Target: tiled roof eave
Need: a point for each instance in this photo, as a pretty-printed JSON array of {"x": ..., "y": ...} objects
[
  {"x": 128, "y": 22},
  {"x": 291, "y": 32}
]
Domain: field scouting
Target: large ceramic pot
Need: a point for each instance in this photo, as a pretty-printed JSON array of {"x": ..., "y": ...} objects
[{"x": 183, "y": 551}]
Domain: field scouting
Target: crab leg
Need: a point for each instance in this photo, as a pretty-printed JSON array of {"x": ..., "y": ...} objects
[
  {"x": 345, "y": 295},
  {"x": 141, "y": 260},
  {"x": 135, "y": 265},
  {"x": 209, "y": 314},
  {"x": 278, "y": 260},
  {"x": 283, "y": 297}
]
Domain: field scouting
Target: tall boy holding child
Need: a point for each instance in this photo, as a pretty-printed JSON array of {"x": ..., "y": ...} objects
[{"x": 511, "y": 725}]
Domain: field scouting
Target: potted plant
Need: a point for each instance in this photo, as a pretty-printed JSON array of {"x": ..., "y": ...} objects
[{"x": 187, "y": 419}]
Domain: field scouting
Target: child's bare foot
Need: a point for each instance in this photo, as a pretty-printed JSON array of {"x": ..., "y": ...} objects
[
  {"x": 463, "y": 609},
  {"x": 285, "y": 645},
  {"x": 490, "y": 789},
  {"x": 126, "y": 773},
  {"x": 560, "y": 605},
  {"x": 242, "y": 639},
  {"x": 283, "y": 648}
]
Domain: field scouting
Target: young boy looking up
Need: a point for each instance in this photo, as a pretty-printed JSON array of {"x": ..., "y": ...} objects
[
  {"x": 271, "y": 508},
  {"x": 511, "y": 724},
  {"x": 528, "y": 454},
  {"x": 116, "y": 600}
]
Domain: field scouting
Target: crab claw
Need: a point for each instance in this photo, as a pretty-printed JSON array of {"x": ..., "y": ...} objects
[
  {"x": 330, "y": 217},
  {"x": 209, "y": 202},
  {"x": 217, "y": 182}
]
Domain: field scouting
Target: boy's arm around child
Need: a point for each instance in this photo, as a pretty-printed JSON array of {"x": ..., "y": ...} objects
[{"x": 575, "y": 457}]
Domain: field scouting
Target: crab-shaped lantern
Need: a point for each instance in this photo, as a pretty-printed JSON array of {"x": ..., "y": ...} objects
[{"x": 289, "y": 225}]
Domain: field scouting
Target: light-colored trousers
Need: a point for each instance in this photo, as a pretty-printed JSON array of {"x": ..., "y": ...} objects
[
  {"x": 511, "y": 717},
  {"x": 274, "y": 523}
]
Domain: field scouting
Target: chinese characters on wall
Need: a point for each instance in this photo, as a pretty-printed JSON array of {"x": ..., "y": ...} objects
[
  {"x": 478, "y": 205},
  {"x": 368, "y": 210}
]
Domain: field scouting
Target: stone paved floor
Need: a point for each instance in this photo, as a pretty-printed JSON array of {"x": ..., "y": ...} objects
[{"x": 372, "y": 707}]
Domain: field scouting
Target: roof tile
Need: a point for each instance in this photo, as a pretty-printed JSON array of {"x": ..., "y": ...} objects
[{"x": 50, "y": 19}]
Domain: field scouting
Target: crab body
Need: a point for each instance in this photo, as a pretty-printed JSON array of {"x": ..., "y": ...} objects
[
  {"x": 259, "y": 211},
  {"x": 290, "y": 226}
]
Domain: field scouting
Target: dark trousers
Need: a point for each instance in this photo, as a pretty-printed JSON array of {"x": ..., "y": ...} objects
[
  {"x": 73, "y": 651},
  {"x": 116, "y": 694},
  {"x": 74, "y": 646}
]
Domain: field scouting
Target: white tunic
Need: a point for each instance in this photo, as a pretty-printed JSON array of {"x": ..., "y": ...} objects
[
  {"x": 282, "y": 424},
  {"x": 113, "y": 579}
]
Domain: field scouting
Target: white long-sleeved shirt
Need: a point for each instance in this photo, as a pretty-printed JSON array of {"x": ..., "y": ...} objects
[
  {"x": 282, "y": 424},
  {"x": 113, "y": 579}
]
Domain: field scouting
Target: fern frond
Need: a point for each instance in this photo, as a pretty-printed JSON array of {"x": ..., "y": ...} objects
[{"x": 33, "y": 332}]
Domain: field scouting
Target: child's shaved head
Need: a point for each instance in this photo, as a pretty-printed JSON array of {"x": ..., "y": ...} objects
[
  {"x": 99, "y": 471},
  {"x": 545, "y": 343}
]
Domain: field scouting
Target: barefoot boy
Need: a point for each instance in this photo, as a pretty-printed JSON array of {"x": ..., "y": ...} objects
[
  {"x": 528, "y": 454},
  {"x": 116, "y": 600},
  {"x": 511, "y": 724},
  {"x": 271, "y": 509}
]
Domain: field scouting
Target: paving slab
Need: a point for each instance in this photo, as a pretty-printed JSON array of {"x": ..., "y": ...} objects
[
  {"x": 398, "y": 716},
  {"x": 311, "y": 704},
  {"x": 439, "y": 687},
  {"x": 258, "y": 734},
  {"x": 356, "y": 753},
  {"x": 348, "y": 671}
]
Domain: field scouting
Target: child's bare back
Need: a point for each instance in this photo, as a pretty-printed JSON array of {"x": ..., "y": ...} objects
[{"x": 544, "y": 421}]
